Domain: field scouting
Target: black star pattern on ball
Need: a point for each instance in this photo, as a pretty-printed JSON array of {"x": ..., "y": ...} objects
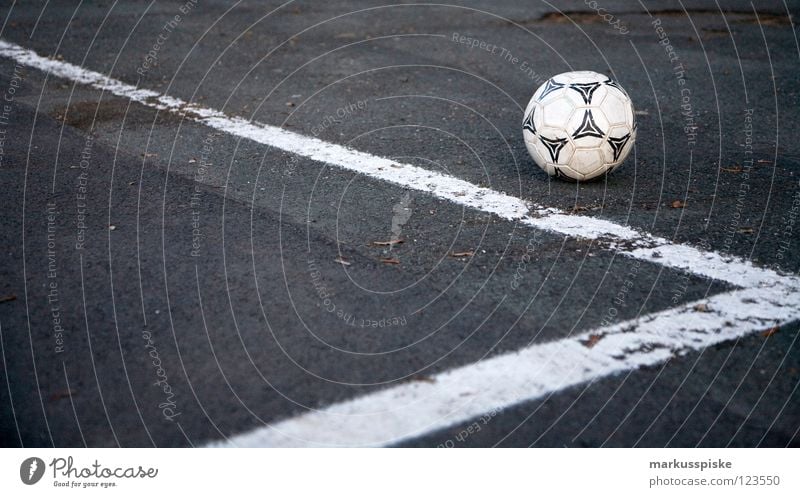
[
  {"x": 528, "y": 122},
  {"x": 587, "y": 127},
  {"x": 617, "y": 144},
  {"x": 586, "y": 90},
  {"x": 550, "y": 87},
  {"x": 554, "y": 146}
]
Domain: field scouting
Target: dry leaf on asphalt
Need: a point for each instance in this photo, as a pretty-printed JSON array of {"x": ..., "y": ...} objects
[
  {"x": 423, "y": 377},
  {"x": 62, "y": 394},
  {"x": 468, "y": 253},
  {"x": 387, "y": 243},
  {"x": 592, "y": 341}
]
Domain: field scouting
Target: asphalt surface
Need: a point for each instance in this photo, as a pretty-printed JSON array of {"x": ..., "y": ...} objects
[{"x": 235, "y": 314}]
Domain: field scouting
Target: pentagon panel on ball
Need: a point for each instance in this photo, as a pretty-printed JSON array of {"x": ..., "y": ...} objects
[{"x": 579, "y": 125}]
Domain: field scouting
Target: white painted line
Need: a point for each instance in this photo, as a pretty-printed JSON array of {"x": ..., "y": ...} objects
[
  {"x": 631, "y": 243},
  {"x": 413, "y": 409},
  {"x": 441, "y": 185},
  {"x": 627, "y": 241}
]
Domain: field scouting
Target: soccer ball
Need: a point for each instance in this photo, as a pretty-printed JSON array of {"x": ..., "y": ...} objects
[{"x": 579, "y": 125}]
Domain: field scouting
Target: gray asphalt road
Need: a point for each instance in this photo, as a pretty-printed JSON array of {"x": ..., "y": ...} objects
[{"x": 131, "y": 235}]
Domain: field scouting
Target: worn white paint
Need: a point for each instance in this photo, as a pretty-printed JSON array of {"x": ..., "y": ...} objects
[{"x": 456, "y": 396}]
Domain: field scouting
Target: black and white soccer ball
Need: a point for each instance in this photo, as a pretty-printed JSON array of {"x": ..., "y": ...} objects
[{"x": 579, "y": 125}]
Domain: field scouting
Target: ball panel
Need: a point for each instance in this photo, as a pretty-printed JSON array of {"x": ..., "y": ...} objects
[
  {"x": 575, "y": 98},
  {"x": 608, "y": 152},
  {"x": 567, "y": 153},
  {"x": 542, "y": 155},
  {"x": 538, "y": 116},
  {"x": 615, "y": 109},
  {"x": 619, "y": 130},
  {"x": 587, "y": 161},
  {"x": 530, "y": 144},
  {"x": 599, "y": 95},
  {"x": 557, "y": 112}
]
